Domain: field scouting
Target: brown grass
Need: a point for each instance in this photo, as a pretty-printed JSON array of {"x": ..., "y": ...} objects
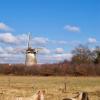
[{"x": 22, "y": 86}]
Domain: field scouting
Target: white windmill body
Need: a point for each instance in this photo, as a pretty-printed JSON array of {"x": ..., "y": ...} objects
[{"x": 30, "y": 55}]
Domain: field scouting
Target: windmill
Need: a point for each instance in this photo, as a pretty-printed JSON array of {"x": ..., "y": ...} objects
[{"x": 31, "y": 54}]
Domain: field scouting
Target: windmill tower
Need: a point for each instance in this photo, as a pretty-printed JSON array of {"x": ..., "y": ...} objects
[{"x": 30, "y": 54}]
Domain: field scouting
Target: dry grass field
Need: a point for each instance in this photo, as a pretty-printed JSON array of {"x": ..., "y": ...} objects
[{"x": 24, "y": 86}]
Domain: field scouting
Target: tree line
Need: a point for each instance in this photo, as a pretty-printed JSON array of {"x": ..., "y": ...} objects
[{"x": 85, "y": 62}]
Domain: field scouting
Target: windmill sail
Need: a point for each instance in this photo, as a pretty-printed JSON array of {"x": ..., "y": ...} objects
[
  {"x": 30, "y": 54},
  {"x": 29, "y": 38}
]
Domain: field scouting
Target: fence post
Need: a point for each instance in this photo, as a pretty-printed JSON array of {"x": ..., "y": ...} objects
[{"x": 65, "y": 87}]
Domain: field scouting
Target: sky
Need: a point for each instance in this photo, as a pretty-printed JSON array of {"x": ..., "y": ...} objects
[{"x": 57, "y": 26}]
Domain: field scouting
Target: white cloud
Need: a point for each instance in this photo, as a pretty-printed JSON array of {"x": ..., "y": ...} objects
[
  {"x": 5, "y": 27},
  {"x": 9, "y": 50},
  {"x": 1, "y": 50},
  {"x": 71, "y": 28},
  {"x": 59, "y": 50},
  {"x": 61, "y": 57},
  {"x": 13, "y": 55},
  {"x": 10, "y": 55},
  {"x": 22, "y": 37},
  {"x": 92, "y": 40},
  {"x": 7, "y": 38},
  {"x": 9, "y": 58},
  {"x": 40, "y": 41},
  {"x": 61, "y": 42},
  {"x": 58, "y": 57},
  {"x": 45, "y": 51}
]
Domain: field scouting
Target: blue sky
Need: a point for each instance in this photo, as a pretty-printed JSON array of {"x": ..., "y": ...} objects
[{"x": 56, "y": 25}]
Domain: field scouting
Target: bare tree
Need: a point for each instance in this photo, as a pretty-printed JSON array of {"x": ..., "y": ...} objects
[{"x": 82, "y": 54}]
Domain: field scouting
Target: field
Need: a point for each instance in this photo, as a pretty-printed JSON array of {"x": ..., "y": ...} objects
[{"x": 24, "y": 86}]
